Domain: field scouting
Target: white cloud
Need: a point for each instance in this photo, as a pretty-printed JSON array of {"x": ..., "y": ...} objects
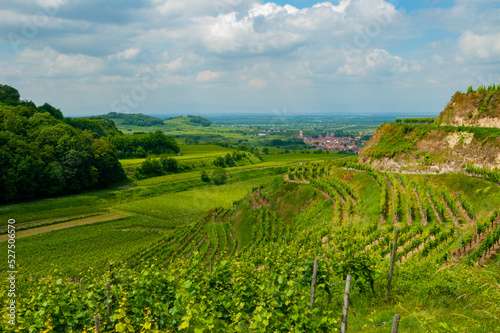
[
  {"x": 171, "y": 66},
  {"x": 378, "y": 61},
  {"x": 207, "y": 76},
  {"x": 127, "y": 54},
  {"x": 257, "y": 83},
  {"x": 272, "y": 28},
  {"x": 50, "y": 63},
  {"x": 480, "y": 46}
]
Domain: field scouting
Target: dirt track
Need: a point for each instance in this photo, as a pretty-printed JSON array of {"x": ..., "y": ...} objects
[{"x": 64, "y": 225}]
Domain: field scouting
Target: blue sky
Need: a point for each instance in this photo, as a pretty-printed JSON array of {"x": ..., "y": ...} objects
[{"x": 248, "y": 56}]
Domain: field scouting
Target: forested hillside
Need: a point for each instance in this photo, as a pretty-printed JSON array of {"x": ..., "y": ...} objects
[{"x": 41, "y": 155}]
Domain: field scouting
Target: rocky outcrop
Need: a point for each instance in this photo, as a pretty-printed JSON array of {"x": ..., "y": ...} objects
[
  {"x": 466, "y": 132},
  {"x": 476, "y": 108}
]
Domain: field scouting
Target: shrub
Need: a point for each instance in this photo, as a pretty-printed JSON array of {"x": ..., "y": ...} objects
[
  {"x": 204, "y": 177},
  {"x": 219, "y": 176}
]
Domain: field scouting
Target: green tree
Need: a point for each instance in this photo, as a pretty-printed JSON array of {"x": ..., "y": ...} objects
[
  {"x": 219, "y": 162},
  {"x": 56, "y": 113},
  {"x": 9, "y": 95},
  {"x": 108, "y": 168},
  {"x": 204, "y": 176},
  {"x": 219, "y": 176},
  {"x": 169, "y": 164},
  {"x": 151, "y": 167},
  {"x": 41, "y": 155},
  {"x": 140, "y": 152},
  {"x": 228, "y": 160}
]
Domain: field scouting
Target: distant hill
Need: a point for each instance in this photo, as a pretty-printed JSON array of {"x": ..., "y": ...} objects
[
  {"x": 142, "y": 120},
  {"x": 189, "y": 120},
  {"x": 467, "y": 132},
  {"x": 135, "y": 119},
  {"x": 102, "y": 127}
]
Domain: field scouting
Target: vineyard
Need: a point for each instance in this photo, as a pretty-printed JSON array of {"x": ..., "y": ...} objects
[{"x": 247, "y": 262}]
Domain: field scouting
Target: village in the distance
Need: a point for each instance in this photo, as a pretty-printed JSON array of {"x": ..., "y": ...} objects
[{"x": 332, "y": 142}]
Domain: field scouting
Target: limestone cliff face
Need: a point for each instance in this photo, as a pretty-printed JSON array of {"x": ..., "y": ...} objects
[{"x": 466, "y": 132}]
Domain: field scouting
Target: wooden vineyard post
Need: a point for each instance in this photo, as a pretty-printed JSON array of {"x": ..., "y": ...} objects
[
  {"x": 97, "y": 324},
  {"x": 395, "y": 324},
  {"x": 108, "y": 305},
  {"x": 393, "y": 256},
  {"x": 111, "y": 273},
  {"x": 343, "y": 327},
  {"x": 461, "y": 238},
  {"x": 313, "y": 286}
]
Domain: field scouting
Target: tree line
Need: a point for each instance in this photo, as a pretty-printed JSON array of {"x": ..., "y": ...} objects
[
  {"x": 427, "y": 121},
  {"x": 141, "y": 145},
  {"x": 484, "y": 89},
  {"x": 43, "y": 156},
  {"x": 152, "y": 167}
]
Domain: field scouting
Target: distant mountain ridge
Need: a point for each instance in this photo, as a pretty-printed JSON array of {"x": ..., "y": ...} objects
[{"x": 467, "y": 132}]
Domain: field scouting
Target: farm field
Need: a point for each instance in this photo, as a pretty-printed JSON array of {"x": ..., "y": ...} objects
[
  {"x": 181, "y": 240},
  {"x": 92, "y": 245},
  {"x": 173, "y": 206},
  {"x": 189, "y": 152},
  {"x": 54, "y": 210},
  {"x": 265, "y": 237}
]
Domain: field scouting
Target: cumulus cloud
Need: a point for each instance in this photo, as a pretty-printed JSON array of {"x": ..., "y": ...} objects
[
  {"x": 257, "y": 83},
  {"x": 127, "y": 54},
  {"x": 49, "y": 63},
  {"x": 207, "y": 76},
  {"x": 485, "y": 46}
]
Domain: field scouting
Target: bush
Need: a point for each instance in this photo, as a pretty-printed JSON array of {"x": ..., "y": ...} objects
[
  {"x": 204, "y": 177},
  {"x": 219, "y": 176},
  {"x": 152, "y": 167},
  {"x": 169, "y": 164},
  {"x": 219, "y": 162}
]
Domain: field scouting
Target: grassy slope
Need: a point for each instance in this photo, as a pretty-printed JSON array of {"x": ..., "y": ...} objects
[
  {"x": 97, "y": 244},
  {"x": 369, "y": 192},
  {"x": 287, "y": 199},
  {"x": 95, "y": 202},
  {"x": 175, "y": 205}
]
